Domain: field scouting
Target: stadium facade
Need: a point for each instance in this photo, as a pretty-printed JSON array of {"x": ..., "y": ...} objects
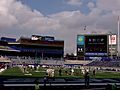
[
  {"x": 35, "y": 46},
  {"x": 97, "y": 46}
]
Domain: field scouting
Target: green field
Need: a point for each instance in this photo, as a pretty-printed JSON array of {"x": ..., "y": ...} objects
[{"x": 16, "y": 71}]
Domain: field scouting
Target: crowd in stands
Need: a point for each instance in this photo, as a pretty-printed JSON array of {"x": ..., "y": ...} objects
[
  {"x": 55, "y": 61},
  {"x": 52, "y": 62},
  {"x": 82, "y": 62},
  {"x": 104, "y": 63}
]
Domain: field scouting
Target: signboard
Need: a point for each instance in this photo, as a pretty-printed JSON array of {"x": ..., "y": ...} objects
[
  {"x": 43, "y": 38},
  {"x": 80, "y": 45},
  {"x": 112, "y": 39},
  {"x": 96, "y": 54},
  {"x": 80, "y": 50},
  {"x": 96, "y": 45},
  {"x": 36, "y": 37},
  {"x": 80, "y": 40},
  {"x": 48, "y": 38}
]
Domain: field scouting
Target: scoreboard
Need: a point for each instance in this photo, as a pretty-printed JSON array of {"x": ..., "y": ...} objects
[
  {"x": 96, "y": 45},
  {"x": 92, "y": 45}
]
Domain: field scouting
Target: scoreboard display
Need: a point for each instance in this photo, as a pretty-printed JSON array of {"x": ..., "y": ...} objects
[
  {"x": 92, "y": 45},
  {"x": 96, "y": 45}
]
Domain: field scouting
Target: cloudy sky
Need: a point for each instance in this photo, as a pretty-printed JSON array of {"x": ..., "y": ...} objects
[{"x": 63, "y": 19}]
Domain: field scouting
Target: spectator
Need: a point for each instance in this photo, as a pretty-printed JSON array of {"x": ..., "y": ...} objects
[
  {"x": 108, "y": 87},
  {"x": 86, "y": 79},
  {"x": 72, "y": 71},
  {"x": 45, "y": 81},
  {"x": 114, "y": 87},
  {"x": 94, "y": 72},
  {"x": 66, "y": 72},
  {"x": 60, "y": 72},
  {"x": 37, "y": 85}
]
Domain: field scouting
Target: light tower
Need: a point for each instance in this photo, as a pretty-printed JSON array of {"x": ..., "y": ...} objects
[{"x": 118, "y": 38}]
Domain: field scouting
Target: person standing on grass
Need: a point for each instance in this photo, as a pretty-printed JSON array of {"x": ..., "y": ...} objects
[
  {"x": 60, "y": 72},
  {"x": 72, "y": 71},
  {"x": 86, "y": 79},
  {"x": 94, "y": 72},
  {"x": 37, "y": 85}
]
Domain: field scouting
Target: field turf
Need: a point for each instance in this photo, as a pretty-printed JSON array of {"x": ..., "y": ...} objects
[{"x": 16, "y": 71}]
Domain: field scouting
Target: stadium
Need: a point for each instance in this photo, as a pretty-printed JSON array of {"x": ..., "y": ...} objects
[{"x": 41, "y": 58}]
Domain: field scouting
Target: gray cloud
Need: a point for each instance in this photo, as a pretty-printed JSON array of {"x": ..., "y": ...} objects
[{"x": 109, "y": 5}]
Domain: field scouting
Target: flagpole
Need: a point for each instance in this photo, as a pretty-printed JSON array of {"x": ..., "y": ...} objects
[
  {"x": 84, "y": 41},
  {"x": 118, "y": 37}
]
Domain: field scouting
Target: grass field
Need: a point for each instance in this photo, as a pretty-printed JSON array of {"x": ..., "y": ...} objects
[{"x": 16, "y": 71}]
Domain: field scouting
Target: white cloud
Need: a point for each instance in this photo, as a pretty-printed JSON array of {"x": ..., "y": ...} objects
[
  {"x": 7, "y": 19},
  {"x": 74, "y": 2},
  {"x": 19, "y": 19},
  {"x": 17, "y": 16},
  {"x": 91, "y": 5}
]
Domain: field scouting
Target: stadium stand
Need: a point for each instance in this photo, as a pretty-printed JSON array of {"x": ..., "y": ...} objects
[
  {"x": 4, "y": 59},
  {"x": 82, "y": 62},
  {"x": 52, "y": 62},
  {"x": 104, "y": 63},
  {"x": 46, "y": 47}
]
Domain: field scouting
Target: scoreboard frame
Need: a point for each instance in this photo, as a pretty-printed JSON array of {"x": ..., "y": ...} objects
[
  {"x": 97, "y": 46},
  {"x": 85, "y": 54}
]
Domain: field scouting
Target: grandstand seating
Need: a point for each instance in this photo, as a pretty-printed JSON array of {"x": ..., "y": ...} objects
[
  {"x": 48, "y": 61},
  {"x": 104, "y": 63},
  {"x": 4, "y": 59},
  {"x": 21, "y": 60},
  {"x": 52, "y": 62},
  {"x": 82, "y": 62}
]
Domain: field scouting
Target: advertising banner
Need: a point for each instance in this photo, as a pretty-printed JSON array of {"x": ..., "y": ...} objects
[
  {"x": 80, "y": 40},
  {"x": 112, "y": 39}
]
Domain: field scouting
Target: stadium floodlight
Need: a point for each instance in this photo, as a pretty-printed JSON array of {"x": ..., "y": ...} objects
[{"x": 118, "y": 37}]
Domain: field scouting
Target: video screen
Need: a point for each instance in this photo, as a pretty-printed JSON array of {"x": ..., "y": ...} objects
[{"x": 96, "y": 43}]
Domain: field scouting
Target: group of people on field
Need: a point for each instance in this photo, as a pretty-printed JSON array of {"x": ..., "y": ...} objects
[{"x": 50, "y": 72}]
